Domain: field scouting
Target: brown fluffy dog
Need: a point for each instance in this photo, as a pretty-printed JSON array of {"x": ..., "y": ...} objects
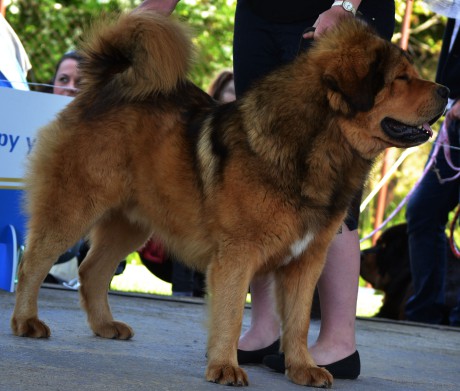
[{"x": 258, "y": 185}]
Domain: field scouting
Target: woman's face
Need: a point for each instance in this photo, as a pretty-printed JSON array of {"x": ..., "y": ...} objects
[
  {"x": 67, "y": 76},
  {"x": 228, "y": 93}
]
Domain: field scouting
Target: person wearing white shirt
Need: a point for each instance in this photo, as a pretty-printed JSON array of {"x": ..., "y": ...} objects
[{"x": 14, "y": 62}]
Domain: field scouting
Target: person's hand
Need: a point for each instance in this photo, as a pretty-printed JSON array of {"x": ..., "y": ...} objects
[
  {"x": 453, "y": 113},
  {"x": 326, "y": 20},
  {"x": 165, "y": 7}
]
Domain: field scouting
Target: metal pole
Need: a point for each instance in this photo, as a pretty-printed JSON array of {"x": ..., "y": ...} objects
[
  {"x": 405, "y": 29},
  {"x": 388, "y": 156}
]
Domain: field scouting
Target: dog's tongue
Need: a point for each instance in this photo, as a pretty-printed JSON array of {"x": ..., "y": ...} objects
[{"x": 427, "y": 127}]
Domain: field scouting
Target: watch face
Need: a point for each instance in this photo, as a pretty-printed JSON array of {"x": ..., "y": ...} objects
[{"x": 347, "y": 5}]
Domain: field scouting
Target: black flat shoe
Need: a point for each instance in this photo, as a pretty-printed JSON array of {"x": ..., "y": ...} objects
[
  {"x": 256, "y": 356},
  {"x": 347, "y": 368}
]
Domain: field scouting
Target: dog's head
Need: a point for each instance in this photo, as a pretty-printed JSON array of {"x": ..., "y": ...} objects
[
  {"x": 372, "y": 85},
  {"x": 387, "y": 263}
]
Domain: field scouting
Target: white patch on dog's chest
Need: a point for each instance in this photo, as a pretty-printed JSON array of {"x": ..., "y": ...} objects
[{"x": 298, "y": 247}]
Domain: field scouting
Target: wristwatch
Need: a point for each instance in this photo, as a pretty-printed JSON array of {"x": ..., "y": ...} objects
[{"x": 346, "y": 5}]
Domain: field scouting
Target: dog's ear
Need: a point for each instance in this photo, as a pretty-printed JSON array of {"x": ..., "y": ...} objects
[{"x": 351, "y": 88}]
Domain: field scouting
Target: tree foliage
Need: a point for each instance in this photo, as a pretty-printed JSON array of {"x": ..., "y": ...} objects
[
  {"x": 49, "y": 28},
  {"x": 425, "y": 35},
  {"x": 212, "y": 22}
]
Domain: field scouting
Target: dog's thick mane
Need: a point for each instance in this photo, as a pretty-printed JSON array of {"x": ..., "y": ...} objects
[{"x": 282, "y": 140}]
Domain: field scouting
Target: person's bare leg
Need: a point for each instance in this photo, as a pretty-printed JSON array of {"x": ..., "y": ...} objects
[
  {"x": 338, "y": 288},
  {"x": 338, "y": 291},
  {"x": 265, "y": 325}
]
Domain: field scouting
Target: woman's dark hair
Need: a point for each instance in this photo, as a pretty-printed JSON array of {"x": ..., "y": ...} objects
[{"x": 219, "y": 83}]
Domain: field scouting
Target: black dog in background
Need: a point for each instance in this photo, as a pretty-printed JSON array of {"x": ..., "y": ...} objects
[{"x": 386, "y": 267}]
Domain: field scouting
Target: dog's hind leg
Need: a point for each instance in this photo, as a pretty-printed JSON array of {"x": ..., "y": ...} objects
[
  {"x": 51, "y": 233},
  {"x": 112, "y": 239},
  {"x": 295, "y": 284},
  {"x": 228, "y": 278}
]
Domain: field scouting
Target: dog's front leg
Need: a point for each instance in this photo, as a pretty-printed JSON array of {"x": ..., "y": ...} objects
[
  {"x": 295, "y": 284},
  {"x": 228, "y": 280}
]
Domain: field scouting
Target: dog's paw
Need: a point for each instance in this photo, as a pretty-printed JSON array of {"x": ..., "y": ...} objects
[
  {"x": 228, "y": 375},
  {"x": 310, "y": 376},
  {"x": 32, "y": 328},
  {"x": 114, "y": 330}
]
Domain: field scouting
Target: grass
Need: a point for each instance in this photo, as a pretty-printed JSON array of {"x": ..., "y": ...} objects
[
  {"x": 137, "y": 278},
  {"x": 369, "y": 302}
]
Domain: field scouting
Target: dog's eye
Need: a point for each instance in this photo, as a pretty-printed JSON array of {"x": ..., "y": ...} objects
[{"x": 403, "y": 77}]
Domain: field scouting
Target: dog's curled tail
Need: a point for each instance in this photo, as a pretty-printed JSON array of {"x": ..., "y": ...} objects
[{"x": 138, "y": 54}]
